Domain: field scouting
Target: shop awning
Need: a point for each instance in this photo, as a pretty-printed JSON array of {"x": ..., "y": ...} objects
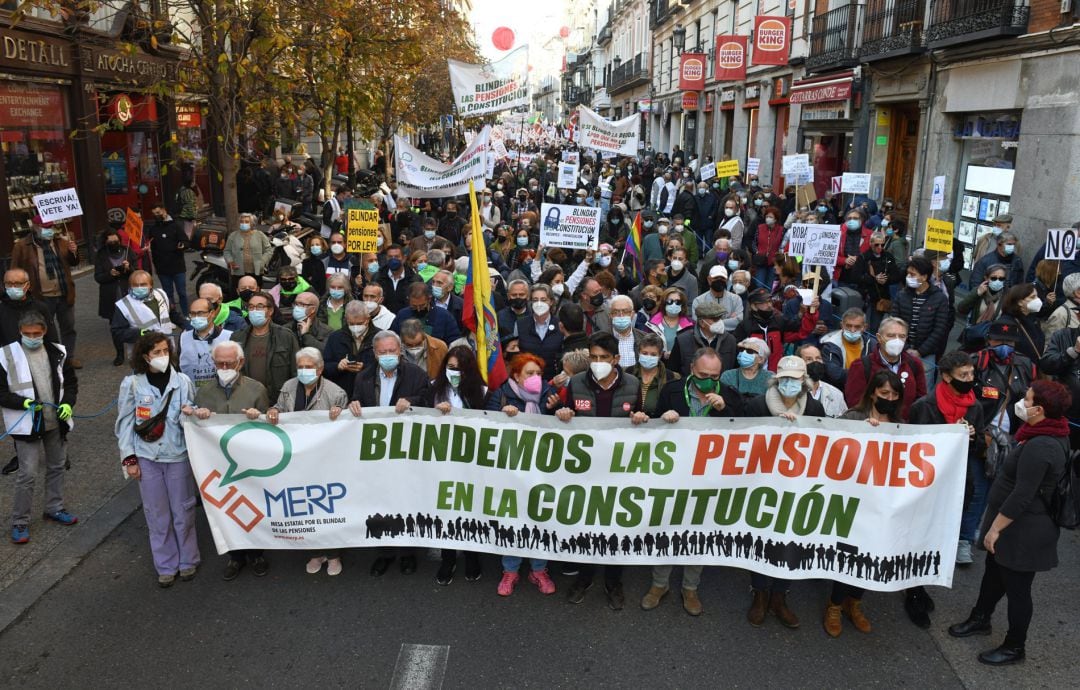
[{"x": 829, "y": 87}]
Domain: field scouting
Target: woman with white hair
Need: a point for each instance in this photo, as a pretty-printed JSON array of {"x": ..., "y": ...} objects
[
  {"x": 1067, "y": 315},
  {"x": 751, "y": 378},
  {"x": 310, "y": 391}
]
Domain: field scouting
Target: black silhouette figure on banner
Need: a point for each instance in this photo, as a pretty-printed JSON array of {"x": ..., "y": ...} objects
[{"x": 837, "y": 557}]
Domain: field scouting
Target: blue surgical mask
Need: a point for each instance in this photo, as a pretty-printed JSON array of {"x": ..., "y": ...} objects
[
  {"x": 140, "y": 292},
  {"x": 822, "y": 209},
  {"x": 299, "y": 313},
  {"x": 852, "y": 336},
  {"x": 429, "y": 234},
  {"x": 421, "y": 266},
  {"x": 199, "y": 323},
  {"x": 257, "y": 318},
  {"x": 853, "y": 224},
  {"x": 621, "y": 323},
  {"x": 1010, "y": 249},
  {"x": 307, "y": 376},
  {"x": 244, "y": 227},
  {"x": 647, "y": 223},
  {"x": 388, "y": 362},
  {"x": 616, "y": 221},
  {"x": 437, "y": 292},
  {"x": 996, "y": 285},
  {"x": 316, "y": 250},
  {"x": 649, "y": 361},
  {"x": 944, "y": 265},
  {"x": 889, "y": 232},
  {"x": 337, "y": 293},
  {"x": 673, "y": 309},
  {"x": 1003, "y": 351},
  {"x": 15, "y": 293},
  {"x": 373, "y": 267},
  {"x": 32, "y": 343},
  {"x": 523, "y": 241},
  {"x": 733, "y": 265},
  {"x": 789, "y": 388},
  {"x": 47, "y": 233},
  {"x": 746, "y": 360}
]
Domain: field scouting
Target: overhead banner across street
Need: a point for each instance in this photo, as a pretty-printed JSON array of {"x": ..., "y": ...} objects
[
  {"x": 491, "y": 88},
  {"x": 875, "y": 507},
  {"x": 619, "y": 136},
  {"x": 421, "y": 176}
]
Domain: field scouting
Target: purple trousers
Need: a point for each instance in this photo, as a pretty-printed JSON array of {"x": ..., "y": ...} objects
[{"x": 168, "y": 497}]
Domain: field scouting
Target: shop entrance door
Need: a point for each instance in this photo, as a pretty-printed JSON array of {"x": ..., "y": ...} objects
[
  {"x": 900, "y": 166},
  {"x": 132, "y": 173}
]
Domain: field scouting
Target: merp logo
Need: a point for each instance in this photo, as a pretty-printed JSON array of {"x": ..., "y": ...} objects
[{"x": 265, "y": 451}]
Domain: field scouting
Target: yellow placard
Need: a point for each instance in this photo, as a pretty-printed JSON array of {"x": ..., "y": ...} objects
[
  {"x": 939, "y": 235},
  {"x": 362, "y": 231},
  {"x": 727, "y": 168}
]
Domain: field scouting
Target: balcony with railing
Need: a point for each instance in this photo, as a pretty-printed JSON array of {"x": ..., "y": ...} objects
[
  {"x": 964, "y": 21},
  {"x": 835, "y": 39},
  {"x": 576, "y": 95},
  {"x": 629, "y": 74},
  {"x": 892, "y": 28}
]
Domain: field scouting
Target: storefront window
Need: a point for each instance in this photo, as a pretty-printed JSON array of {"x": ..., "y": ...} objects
[
  {"x": 830, "y": 156},
  {"x": 990, "y": 143},
  {"x": 38, "y": 155}
]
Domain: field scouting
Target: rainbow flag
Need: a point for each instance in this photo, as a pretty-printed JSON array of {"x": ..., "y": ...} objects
[
  {"x": 479, "y": 315},
  {"x": 633, "y": 249}
]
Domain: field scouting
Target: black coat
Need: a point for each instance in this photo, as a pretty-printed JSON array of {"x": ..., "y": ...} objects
[
  {"x": 1020, "y": 491},
  {"x": 689, "y": 340},
  {"x": 340, "y": 344},
  {"x": 11, "y": 312},
  {"x": 673, "y": 398},
  {"x": 932, "y": 334},
  {"x": 396, "y": 299},
  {"x": 549, "y": 349},
  {"x": 410, "y": 382},
  {"x": 167, "y": 244},
  {"x": 111, "y": 288},
  {"x": 925, "y": 411}
]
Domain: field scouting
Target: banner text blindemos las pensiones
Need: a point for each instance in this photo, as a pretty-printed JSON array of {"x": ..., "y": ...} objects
[{"x": 817, "y": 498}]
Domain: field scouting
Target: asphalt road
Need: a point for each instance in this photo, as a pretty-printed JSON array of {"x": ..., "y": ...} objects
[{"x": 107, "y": 624}]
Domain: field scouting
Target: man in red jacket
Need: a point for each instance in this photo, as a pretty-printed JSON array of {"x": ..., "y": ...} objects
[{"x": 890, "y": 352}]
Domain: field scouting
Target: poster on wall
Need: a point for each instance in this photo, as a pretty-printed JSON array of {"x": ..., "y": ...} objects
[
  {"x": 966, "y": 232},
  {"x": 970, "y": 207}
]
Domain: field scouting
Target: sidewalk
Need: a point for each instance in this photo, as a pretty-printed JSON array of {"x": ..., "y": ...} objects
[{"x": 95, "y": 476}]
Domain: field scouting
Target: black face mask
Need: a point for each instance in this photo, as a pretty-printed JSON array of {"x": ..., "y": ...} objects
[
  {"x": 718, "y": 285},
  {"x": 815, "y": 370},
  {"x": 887, "y": 407},
  {"x": 245, "y": 295},
  {"x": 762, "y": 315},
  {"x": 648, "y": 304},
  {"x": 597, "y": 300},
  {"x": 518, "y": 303},
  {"x": 420, "y": 313},
  {"x": 114, "y": 246},
  {"x": 962, "y": 387},
  {"x": 288, "y": 284}
]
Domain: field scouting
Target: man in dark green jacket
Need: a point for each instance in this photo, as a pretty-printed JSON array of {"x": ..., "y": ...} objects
[{"x": 270, "y": 349}]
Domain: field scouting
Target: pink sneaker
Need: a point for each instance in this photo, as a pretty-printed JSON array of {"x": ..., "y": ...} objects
[
  {"x": 506, "y": 584},
  {"x": 542, "y": 580}
]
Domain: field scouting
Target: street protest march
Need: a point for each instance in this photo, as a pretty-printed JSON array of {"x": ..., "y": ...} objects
[{"x": 874, "y": 507}]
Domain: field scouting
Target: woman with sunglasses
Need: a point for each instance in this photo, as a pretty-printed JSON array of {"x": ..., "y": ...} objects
[
  {"x": 751, "y": 378},
  {"x": 875, "y": 272},
  {"x": 671, "y": 317}
]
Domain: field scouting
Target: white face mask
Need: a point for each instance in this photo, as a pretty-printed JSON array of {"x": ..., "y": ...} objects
[
  {"x": 1021, "y": 409},
  {"x": 738, "y": 288},
  {"x": 1035, "y": 305},
  {"x": 600, "y": 370},
  {"x": 677, "y": 265},
  {"x": 541, "y": 308},
  {"x": 729, "y": 212},
  {"x": 358, "y": 330},
  {"x": 372, "y": 307},
  {"x": 227, "y": 376},
  {"x": 558, "y": 289},
  {"x": 913, "y": 282},
  {"x": 894, "y": 347},
  {"x": 160, "y": 364},
  {"x": 717, "y": 328}
]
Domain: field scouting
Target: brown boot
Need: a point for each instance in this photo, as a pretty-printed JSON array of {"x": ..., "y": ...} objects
[
  {"x": 756, "y": 614},
  {"x": 778, "y": 605},
  {"x": 652, "y": 598},
  {"x": 853, "y": 610},
  {"x": 833, "y": 623},
  {"x": 690, "y": 602}
]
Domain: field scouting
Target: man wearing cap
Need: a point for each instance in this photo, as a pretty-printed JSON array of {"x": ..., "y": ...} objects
[
  {"x": 709, "y": 331},
  {"x": 988, "y": 242},
  {"x": 1002, "y": 376},
  {"x": 47, "y": 259},
  {"x": 1007, "y": 253},
  {"x": 731, "y": 306},
  {"x": 764, "y": 322}
]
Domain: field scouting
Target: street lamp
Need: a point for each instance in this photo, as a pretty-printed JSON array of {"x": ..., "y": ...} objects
[
  {"x": 678, "y": 38},
  {"x": 615, "y": 62}
]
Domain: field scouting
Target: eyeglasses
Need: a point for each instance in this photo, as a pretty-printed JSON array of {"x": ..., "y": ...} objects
[
  {"x": 674, "y": 301},
  {"x": 749, "y": 351},
  {"x": 877, "y": 244}
]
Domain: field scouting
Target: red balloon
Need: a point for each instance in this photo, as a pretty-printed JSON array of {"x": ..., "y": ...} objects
[
  {"x": 503, "y": 38},
  {"x": 564, "y": 31}
]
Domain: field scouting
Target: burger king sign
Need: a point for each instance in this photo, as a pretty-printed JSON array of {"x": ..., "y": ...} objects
[
  {"x": 730, "y": 58},
  {"x": 692, "y": 72},
  {"x": 771, "y": 35}
]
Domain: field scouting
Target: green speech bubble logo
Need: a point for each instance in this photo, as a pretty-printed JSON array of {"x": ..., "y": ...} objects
[{"x": 232, "y": 474}]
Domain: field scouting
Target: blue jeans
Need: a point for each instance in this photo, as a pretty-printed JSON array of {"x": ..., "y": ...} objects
[
  {"x": 511, "y": 564},
  {"x": 973, "y": 511},
  {"x": 930, "y": 365},
  {"x": 769, "y": 584},
  {"x": 177, "y": 282}
]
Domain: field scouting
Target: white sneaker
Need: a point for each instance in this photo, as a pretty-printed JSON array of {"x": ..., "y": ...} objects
[
  {"x": 333, "y": 567},
  {"x": 963, "y": 553},
  {"x": 315, "y": 565}
]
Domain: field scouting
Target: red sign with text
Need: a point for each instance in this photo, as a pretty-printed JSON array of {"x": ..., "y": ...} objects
[
  {"x": 730, "y": 58},
  {"x": 692, "y": 72},
  {"x": 28, "y": 106},
  {"x": 772, "y": 40}
]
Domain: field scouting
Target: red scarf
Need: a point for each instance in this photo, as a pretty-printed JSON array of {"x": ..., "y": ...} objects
[
  {"x": 1057, "y": 428},
  {"x": 953, "y": 405}
]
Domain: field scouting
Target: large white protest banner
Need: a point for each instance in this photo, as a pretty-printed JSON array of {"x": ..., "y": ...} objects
[
  {"x": 574, "y": 227},
  {"x": 421, "y": 176},
  {"x": 490, "y": 88},
  {"x": 619, "y": 136},
  {"x": 871, "y": 506}
]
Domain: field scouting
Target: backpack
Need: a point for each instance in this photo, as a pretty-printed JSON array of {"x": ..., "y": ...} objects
[{"x": 1063, "y": 505}]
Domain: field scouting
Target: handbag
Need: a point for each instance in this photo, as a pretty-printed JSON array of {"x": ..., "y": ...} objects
[{"x": 150, "y": 430}]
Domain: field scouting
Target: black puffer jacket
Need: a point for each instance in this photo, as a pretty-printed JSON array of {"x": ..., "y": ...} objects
[{"x": 931, "y": 334}]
